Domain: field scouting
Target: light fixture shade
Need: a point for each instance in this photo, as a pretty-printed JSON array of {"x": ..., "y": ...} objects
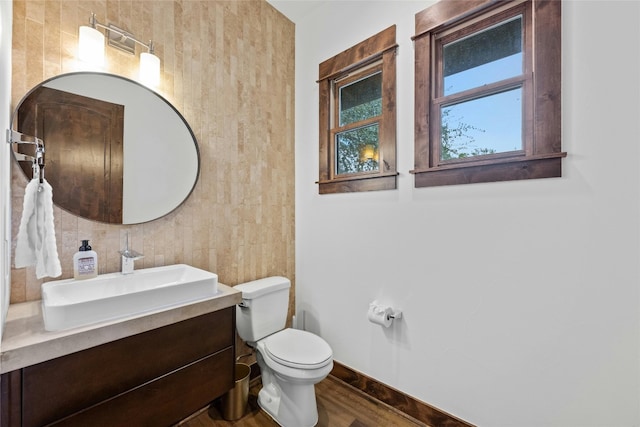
[
  {"x": 368, "y": 152},
  {"x": 91, "y": 46},
  {"x": 149, "y": 69}
]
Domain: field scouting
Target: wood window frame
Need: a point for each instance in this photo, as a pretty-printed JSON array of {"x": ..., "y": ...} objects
[
  {"x": 378, "y": 48},
  {"x": 541, "y": 154}
]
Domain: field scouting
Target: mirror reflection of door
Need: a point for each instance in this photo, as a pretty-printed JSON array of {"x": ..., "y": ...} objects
[{"x": 82, "y": 134}]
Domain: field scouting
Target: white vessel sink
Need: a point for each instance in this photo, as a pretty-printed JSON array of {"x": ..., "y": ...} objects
[{"x": 71, "y": 303}]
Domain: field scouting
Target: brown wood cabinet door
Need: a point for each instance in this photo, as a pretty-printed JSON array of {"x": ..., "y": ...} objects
[
  {"x": 57, "y": 388},
  {"x": 10, "y": 402},
  {"x": 83, "y": 140},
  {"x": 164, "y": 401}
]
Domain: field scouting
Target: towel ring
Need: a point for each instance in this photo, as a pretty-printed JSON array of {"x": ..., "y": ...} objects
[{"x": 37, "y": 162}]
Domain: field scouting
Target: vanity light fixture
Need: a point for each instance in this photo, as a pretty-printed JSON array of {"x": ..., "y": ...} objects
[
  {"x": 149, "y": 67},
  {"x": 91, "y": 48},
  {"x": 91, "y": 44}
]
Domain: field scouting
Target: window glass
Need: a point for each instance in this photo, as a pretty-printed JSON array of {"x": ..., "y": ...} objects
[
  {"x": 487, "y": 125},
  {"x": 361, "y": 99},
  {"x": 484, "y": 57},
  {"x": 357, "y": 150}
]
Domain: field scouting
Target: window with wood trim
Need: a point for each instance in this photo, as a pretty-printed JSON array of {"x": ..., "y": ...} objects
[
  {"x": 487, "y": 92},
  {"x": 358, "y": 117}
]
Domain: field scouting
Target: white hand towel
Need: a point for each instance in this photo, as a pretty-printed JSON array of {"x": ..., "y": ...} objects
[
  {"x": 36, "y": 243},
  {"x": 27, "y": 235}
]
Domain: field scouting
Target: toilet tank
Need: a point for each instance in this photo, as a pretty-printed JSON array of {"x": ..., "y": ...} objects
[{"x": 264, "y": 307}]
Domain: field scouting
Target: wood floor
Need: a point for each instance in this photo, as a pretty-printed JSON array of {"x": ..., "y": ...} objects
[{"x": 339, "y": 405}]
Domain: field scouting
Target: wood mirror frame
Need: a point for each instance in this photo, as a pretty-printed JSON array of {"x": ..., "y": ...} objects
[{"x": 115, "y": 151}]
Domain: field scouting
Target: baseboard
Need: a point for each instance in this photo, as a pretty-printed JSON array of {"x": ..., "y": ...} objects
[{"x": 417, "y": 409}]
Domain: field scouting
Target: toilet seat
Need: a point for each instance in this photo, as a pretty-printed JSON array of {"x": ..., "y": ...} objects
[{"x": 298, "y": 349}]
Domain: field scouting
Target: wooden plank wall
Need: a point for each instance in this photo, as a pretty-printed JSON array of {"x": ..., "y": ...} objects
[{"x": 228, "y": 67}]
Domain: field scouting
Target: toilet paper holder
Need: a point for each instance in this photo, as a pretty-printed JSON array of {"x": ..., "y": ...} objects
[
  {"x": 397, "y": 314},
  {"x": 382, "y": 314}
]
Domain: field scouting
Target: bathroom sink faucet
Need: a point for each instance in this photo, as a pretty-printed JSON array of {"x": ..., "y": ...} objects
[{"x": 128, "y": 257}]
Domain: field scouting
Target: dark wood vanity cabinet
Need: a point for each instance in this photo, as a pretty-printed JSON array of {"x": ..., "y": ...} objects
[{"x": 155, "y": 378}]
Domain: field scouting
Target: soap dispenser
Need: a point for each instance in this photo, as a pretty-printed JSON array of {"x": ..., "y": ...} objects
[{"x": 85, "y": 262}]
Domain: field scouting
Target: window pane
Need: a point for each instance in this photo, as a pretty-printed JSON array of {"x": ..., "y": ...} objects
[
  {"x": 489, "y": 56},
  {"x": 361, "y": 99},
  {"x": 357, "y": 150},
  {"x": 492, "y": 124}
]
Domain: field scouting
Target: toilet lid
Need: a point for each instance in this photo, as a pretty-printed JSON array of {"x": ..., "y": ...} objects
[{"x": 298, "y": 349}]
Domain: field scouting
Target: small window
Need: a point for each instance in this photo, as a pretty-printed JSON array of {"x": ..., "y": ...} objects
[
  {"x": 357, "y": 117},
  {"x": 488, "y": 92},
  {"x": 357, "y": 133}
]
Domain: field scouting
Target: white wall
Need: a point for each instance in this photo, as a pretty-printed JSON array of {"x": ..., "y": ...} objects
[
  {"x": 521, "y": 299},
  {"x": 5, "y": 172}
]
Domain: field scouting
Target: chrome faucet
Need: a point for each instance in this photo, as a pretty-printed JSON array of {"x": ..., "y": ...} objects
[{"x": 128, "y": 257}]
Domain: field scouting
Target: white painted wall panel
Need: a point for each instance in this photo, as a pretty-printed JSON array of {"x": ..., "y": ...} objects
[{"x": 529, "y": 315}]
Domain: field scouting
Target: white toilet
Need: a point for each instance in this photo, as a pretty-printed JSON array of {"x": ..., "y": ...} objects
[{"x": 291, "y": 361}]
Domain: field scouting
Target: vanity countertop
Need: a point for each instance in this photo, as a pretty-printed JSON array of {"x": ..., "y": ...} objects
[{"x": 25, "y": 341}]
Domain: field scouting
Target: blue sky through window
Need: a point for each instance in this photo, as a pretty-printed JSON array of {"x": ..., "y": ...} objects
[{"x": 495, "y": 121}]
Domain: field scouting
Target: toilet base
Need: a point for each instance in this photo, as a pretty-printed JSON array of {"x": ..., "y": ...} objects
[
  {"x": 296, "y": 408},
  {"x": 290, "y": 401}
]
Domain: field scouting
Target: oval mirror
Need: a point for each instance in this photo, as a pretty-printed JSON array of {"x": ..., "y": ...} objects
[{"x": 115, "y": 151}]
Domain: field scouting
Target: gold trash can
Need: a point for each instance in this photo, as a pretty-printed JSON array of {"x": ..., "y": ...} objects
[{"x": 234, "y": 402}]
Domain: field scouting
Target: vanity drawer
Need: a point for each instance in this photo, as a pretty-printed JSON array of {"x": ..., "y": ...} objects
[
  {"x": 57, "y": 388},
  {"x": 165, "y": 401}
]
